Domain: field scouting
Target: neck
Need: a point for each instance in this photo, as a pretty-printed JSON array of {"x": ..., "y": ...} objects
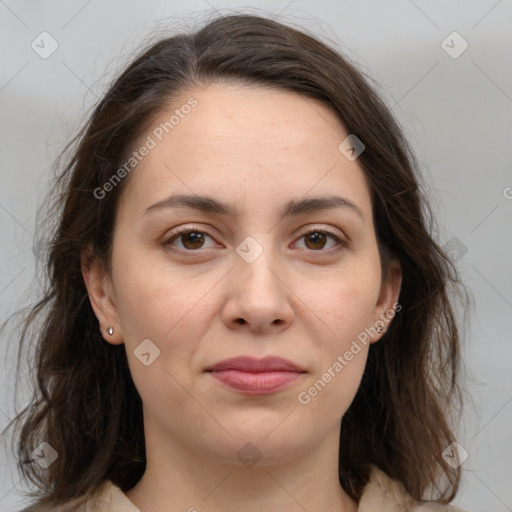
[{"x": 179, "y": 479}]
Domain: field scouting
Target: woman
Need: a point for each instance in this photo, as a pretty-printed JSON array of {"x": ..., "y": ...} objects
[{"x": 245, "y": 308}]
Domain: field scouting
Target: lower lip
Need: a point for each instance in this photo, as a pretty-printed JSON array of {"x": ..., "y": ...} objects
[{"x": 256, "y": 383}]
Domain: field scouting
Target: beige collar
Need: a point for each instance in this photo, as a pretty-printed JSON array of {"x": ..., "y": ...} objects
[
  {"x": 384, "y": 494},
  {"x": 381, "y": 494}
]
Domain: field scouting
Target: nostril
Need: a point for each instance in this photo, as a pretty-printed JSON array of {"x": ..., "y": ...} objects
[{"x": 241, "y": 321}]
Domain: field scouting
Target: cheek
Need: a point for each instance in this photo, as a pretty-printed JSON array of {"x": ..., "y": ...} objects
[
  {"x": 156, "y": 300},
  {"x": 329, "y": 394},
  {"x": 343, "y": 302},
  {"x": 166, "y": 309},
  {"x": 341, "y": 350},
  {"x": 344, "y": 308}
]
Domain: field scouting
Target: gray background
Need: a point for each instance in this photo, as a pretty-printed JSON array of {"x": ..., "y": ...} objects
[{"x": 455, "y": 111}]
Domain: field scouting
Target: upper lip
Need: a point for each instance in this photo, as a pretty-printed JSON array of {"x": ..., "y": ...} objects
[{"x": 254, "y": 365}]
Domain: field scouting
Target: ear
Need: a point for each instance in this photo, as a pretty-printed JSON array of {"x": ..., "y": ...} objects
[
  {"x": 99, "y": 287},
  {"x": 387, "y": 303}
]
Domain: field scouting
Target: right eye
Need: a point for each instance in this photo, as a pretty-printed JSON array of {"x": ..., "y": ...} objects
[{"x": 191, "y": 239}]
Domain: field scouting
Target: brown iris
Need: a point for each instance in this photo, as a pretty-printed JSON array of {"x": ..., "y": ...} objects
[
  {"x": 316, "y": 237},
  {"x": 195, "y": 239}
]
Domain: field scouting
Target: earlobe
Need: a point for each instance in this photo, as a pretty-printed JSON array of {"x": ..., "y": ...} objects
[{"x": 98, "y": 284}]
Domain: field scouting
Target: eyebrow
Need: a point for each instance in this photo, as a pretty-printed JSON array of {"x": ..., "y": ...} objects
[{"x": 291, "y": 208}]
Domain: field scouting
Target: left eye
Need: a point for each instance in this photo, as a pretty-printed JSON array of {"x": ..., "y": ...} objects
[{"x": 317, "y": 238}]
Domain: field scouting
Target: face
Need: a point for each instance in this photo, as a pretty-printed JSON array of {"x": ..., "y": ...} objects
[{"x": 259, "y": 279}]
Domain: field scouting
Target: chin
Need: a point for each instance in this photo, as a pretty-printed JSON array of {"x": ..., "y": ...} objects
[{"x": 256, "y": 446}]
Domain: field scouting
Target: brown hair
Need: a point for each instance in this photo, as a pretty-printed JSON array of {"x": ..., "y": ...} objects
[{"x": 400, "y": 418}]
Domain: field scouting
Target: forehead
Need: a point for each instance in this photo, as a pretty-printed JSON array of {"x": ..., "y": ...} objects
[
  {"x": 246, "y": 143},
  {"x": 278, "y": 119}
]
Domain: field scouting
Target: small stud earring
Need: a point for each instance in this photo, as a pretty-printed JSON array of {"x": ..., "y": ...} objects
[
  {"x": 379, "y": 329},
  {"x": 110, "y": 330}
]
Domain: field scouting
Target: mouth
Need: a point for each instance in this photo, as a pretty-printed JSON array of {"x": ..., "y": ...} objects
[{"x": 256, "y": 376}]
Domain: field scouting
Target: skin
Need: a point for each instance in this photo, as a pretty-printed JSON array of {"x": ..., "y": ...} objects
[{"x": 254, "y": 148}]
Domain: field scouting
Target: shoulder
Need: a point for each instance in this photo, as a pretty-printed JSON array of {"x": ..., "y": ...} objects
[
  {"x": 384, "y": 494},
  {"x": 110, "y": 498}
]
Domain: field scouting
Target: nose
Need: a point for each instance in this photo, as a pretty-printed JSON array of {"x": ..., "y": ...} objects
[{"x": 258, "y": 296}]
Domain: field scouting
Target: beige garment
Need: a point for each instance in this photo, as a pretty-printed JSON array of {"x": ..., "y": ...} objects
[{"x": 381, "y": 494}]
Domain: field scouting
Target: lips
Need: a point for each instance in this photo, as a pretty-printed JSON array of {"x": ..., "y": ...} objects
[
  {"x": 256, "y": 376},
  {"x": 253, "y": 365}
]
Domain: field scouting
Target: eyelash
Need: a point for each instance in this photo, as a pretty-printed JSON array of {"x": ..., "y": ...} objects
[{"x": 342, "y": 244}]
